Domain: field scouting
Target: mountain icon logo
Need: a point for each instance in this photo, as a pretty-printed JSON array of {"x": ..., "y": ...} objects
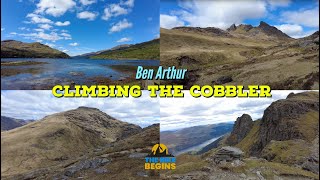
[{"x": 160, "y": 150}]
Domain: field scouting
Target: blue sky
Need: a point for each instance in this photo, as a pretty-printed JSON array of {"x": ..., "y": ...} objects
[
  {"x": 296, "y": 18},
  {"x": 80, "y": 26},
  {"x": 143, "y": 111}
]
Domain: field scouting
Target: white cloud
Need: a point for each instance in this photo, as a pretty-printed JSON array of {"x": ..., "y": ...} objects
[
  {"x": 125, "y": 39},
  {"x": 129, "y": 3},
  {"x": 13, "y": 33},
  {"x": 66, "y": 36},
  {"x": 279, "y": 3},
  {"x": 74, "y": 44},
  {"x": 149, "y": 18},
  {"x": 219, "y": 14},
  {"x": 293, "y": 30},
  {"x": 305, "y": 17},
  {"x": 65, "y": 50},
  {"x": 121, "y": 25},
  {"x": 50, "y": 44},
  {"x": 39, "y": 30},
  {"x": 24, "y": 29},
  {"x": 66, "y": 23},
  {"x": 53, "y": 36},
  {"x": 87, "y": 15},
  {"x": 114, "y": 10},
  {"x": 168, "y": 22},
  {"x": 35, "y": 19},
  {"x": 35, "y": 105},
  {"x": 2, "y": 29},
  {"x": 45, "y": 26},
  {"x": 55, "y": 8},
  {"x": 87, "y": 2}
]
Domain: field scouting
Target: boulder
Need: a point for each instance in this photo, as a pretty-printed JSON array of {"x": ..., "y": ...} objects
[{"x": 227, "y": 154}]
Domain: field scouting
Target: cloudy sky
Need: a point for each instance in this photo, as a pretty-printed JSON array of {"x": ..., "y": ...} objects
[
  {"x": 296, "y": 18},
  {"x": 35, "y": 105},
  {"x": 189, "y": 111},
  {"x": 80, "y": 26}
]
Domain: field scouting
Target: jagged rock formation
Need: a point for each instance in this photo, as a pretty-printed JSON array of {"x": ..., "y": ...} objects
[
  {"x": 227, "y": 154},
  {"x": 240, "y": 130},
  {"x": 17, "y": 49},
  {"x": 263, "y": 31}
]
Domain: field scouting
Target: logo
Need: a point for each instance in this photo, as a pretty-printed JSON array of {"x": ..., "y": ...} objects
[{"x": 159, "y": 158}]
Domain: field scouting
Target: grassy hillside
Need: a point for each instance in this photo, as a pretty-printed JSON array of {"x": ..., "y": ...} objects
[
  {"x": 17, "y": 49},
  {"x": 144, "y": 51}
]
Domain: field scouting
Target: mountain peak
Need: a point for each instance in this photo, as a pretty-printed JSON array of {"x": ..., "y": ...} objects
[
  {"x": 232, "y": 27},
  {"x": 241, "y": 128},
  {"x": 264, "y": 24}
]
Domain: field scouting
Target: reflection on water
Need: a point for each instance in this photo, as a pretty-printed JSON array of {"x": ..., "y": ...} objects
[{"x": 66, "y": 71}]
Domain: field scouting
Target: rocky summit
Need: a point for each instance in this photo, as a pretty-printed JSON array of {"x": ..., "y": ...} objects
[{"x": 241, "y": 128}]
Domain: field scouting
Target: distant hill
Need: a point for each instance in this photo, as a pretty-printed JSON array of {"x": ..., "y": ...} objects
[
  {"x": 8, "y": 123},
  {"x": 88, "y": 55},
  {"x": 149, "y": 50},
  {"x": 84, "y": 142},
  {"x": 18, "y": 49},
  {"x": 182, "y": 139}
]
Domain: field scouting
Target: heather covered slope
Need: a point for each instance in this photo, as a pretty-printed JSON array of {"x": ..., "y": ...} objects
[
  {"x": 243, "y": 55},
  {"x": 17, "y": 49}
]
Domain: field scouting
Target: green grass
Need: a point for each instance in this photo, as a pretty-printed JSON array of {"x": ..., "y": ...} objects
[
  {"x": 269, "y": 169},
  {"x": 252, "y": 137},
  {"x": 145, "y": 51},
  {"x": 287, "y": 152}
]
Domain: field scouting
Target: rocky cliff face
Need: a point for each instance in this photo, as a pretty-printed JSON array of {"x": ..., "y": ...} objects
[
  {"x": 286, "y": 120},
  {"x": 240, "y": 130},
  {"x": 288, "y": 132},
  {"x": 17, "y": 49}
]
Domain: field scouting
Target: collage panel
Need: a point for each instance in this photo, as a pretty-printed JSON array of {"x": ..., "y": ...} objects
[
  {"x": 242, "y": 42},
  {"x": 87, "y": 42},
  {"x": 44, "y": 137},
  {"x": 242, "y": 138}
]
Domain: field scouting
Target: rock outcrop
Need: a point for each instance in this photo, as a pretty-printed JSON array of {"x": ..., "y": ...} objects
[
  {"x": 227, "y": 154},
  {"x": 240, "y": 130}
]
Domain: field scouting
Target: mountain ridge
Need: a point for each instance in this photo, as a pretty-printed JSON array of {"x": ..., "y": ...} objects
[{"x": 18, "y": 49}]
